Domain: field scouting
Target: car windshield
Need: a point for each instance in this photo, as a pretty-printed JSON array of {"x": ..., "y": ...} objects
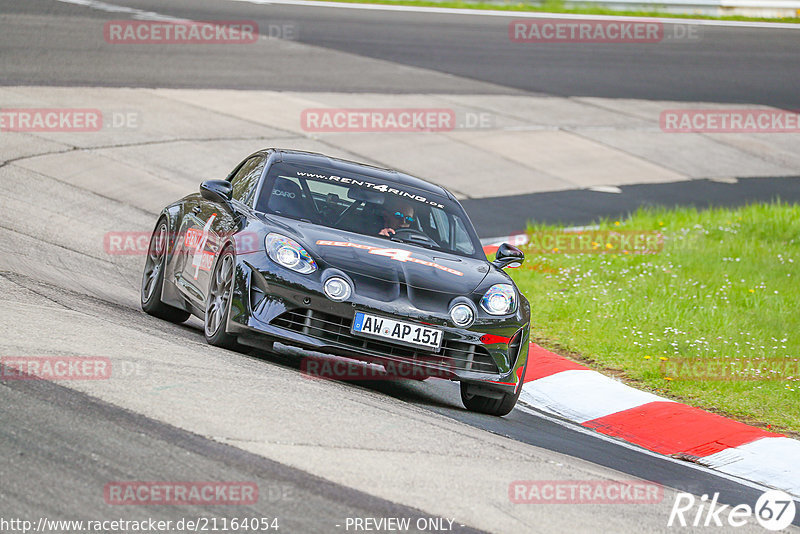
[{"x": 368, "y": 206}]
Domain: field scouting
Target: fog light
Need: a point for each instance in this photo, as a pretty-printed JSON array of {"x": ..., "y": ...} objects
[
  {"x": 462, "y": 315},
  {"x": 337, "y": 288}
]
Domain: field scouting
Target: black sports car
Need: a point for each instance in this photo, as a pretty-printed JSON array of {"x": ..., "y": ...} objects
[{"x": 346, "y": 259}]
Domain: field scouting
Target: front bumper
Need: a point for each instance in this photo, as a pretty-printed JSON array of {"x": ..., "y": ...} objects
[{"x": 269, "y": 306}]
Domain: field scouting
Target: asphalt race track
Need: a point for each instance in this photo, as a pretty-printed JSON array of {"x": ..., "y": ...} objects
[
  {"x": 749, "y": 65},
  {"x": 583, "y": 207},
  {"x": 321, "y": 452}
]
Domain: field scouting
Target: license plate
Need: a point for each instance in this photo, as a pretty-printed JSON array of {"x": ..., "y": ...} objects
[{"x": 382, "y": 327}]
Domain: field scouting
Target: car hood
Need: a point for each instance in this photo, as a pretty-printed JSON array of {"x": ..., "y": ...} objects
[{"x": 391, "y": 261}]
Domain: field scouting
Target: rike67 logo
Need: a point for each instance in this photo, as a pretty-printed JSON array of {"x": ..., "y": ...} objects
[{"x": 774, "y": 510}]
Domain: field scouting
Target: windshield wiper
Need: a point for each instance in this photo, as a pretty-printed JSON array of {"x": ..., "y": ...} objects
[{"x": 426, "y": 244}]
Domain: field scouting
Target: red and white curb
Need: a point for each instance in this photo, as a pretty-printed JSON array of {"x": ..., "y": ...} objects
[{"x": 558, "y": 386}]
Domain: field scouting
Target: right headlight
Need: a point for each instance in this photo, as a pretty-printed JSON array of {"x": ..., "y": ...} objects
[
  {"x": 288, "y": 253},
  {"x": 500, "y": 299}
]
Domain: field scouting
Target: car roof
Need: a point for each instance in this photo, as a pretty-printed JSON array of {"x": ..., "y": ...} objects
[{"x": 343, "y": 165}]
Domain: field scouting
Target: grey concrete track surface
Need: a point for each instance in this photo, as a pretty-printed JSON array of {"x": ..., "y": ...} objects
[
  {"x": 722, "y": 64},
  {"x": 63, "y": 293}
]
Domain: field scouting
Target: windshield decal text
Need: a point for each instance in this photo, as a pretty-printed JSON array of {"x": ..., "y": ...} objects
[{"x": 383, "y": 188}]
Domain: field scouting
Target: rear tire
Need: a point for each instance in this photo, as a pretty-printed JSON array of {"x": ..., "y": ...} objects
[
  {"x": 153, "y": 277},
  {"x": 220, "y": 289}
]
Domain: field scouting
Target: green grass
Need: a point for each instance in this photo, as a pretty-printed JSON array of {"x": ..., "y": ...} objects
[
  {"x": 725, "y": 288},
  {"x": 557, "y": 6}
]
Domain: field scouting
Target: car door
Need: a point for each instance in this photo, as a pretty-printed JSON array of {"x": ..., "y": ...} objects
[{"x": 206, "y": 227}]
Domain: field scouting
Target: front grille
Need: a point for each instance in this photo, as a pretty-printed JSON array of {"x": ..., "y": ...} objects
[{"x": 328, "y": 327}]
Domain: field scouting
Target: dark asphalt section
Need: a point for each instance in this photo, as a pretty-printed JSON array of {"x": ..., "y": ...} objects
[
  {"x": 68, "y": 446},
  {"x": 502, "y": 216},
  {"x": 719, "y": 64},
  {"x": 45, "y": 42}
]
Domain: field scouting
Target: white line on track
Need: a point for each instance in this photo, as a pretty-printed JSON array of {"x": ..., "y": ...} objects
[
  {"x": 520, "y": 14},
  {"x": 139, "y": 14}
]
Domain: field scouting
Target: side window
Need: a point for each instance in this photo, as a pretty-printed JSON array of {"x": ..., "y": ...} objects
[
  {"x": 440, "y": 223},
  {"x": 286, "y": 197},
  {"x": 462, "y": 242},
  {"x": 245, "y": 181}
]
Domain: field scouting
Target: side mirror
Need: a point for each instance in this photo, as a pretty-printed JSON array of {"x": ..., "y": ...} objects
[
  {"x": 217, "y": 191},
  {"x": 508, "y": 256}
]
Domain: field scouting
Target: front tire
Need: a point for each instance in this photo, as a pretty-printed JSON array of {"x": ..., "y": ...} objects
[
  {"x": 153, "y": 277},
  {"x": 489, "y": 405},
  {"x": 218, "y": 302}
]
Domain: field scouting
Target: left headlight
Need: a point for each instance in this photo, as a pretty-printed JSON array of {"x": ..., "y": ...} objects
[
  {"x": 501, "y": 299},
  {"x": 288, "y": 253}
]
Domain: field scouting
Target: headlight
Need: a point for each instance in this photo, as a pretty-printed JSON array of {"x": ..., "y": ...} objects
[
  {"x": 337, "y": 288},
  {"x": 289, "y": 253},
  {"x": 501, "y": 299},
  {"x": 462, "y": 315}
]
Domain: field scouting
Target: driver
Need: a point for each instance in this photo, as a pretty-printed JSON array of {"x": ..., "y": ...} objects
[{"x": 397, "y": 214}]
